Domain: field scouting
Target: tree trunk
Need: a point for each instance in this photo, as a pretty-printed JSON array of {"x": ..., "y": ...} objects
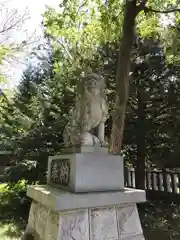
[{"x": 122, "y": 76}]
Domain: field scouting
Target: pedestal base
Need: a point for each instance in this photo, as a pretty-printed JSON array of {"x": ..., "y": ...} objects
[
  {"x": 60, "y": 215},
  {"x": 88, "y": 169}
]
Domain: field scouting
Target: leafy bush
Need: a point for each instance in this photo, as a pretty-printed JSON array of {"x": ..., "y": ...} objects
[
  {"x": 22, "y": 170},
  {"x": 162, "y": 217},
  {"x": 14, "y": 204}
]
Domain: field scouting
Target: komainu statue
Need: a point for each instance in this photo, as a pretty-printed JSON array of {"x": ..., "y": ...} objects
[{"x": 89, "y": 114}]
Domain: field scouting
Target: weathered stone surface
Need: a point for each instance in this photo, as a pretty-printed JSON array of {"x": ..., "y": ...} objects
[
  {"x": 90, "y": 111},
  {"x": 52, "y": 226},
  {"x": 32, "y": 214},
  {"x": 103, "y": 224},
  {"x": 74, "y": 226},
  {"x": 41, "y": 219},
  {"x": 60, "y": 200},
  {"x": 86, "y": 172},
  {"x": 44, "y": 221},
  {"x": 128, "y": 221},
  {"x": 135, "y": 237}
]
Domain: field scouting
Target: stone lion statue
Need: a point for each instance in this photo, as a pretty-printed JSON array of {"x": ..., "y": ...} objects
[{"x": 89, "y": 114}]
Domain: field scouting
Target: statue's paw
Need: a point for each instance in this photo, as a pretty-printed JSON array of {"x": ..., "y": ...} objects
[
  {"x": 96, "y": 140},
  {"x": 89, "y": 139},
  {"x": 103, "y": 143}
]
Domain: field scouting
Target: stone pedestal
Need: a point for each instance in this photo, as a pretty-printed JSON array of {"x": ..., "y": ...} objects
[
  {"x": 85, "y": 199},
  {"x": 61, "y": 215},
  {"x": 87, "y": 169}
]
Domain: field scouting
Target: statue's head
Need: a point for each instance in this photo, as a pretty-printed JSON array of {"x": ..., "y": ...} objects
[{"x": 94, "y": 83}]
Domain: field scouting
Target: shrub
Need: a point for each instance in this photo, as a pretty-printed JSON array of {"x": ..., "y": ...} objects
[
  {"x": 14, "y": 204},
  {"x": 22, "y": 170},
  {"x": 160, "y": 216}
]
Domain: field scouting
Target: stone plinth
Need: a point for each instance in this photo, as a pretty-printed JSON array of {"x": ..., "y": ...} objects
[
  {"x": 87, "y": 169},
  {"x": 61, "y": 215}
]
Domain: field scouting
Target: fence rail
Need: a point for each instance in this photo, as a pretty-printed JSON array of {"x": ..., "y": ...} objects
[{"x": 160, "y": 181}]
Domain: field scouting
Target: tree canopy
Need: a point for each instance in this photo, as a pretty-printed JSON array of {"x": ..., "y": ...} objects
[{"x": 85, "y": 36}]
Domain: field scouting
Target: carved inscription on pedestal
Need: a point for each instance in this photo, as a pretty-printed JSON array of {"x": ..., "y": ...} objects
[
  {"x": 74, "y": 226},
  {"x": 104, "y": 224},
  {"x": 128, "y": 221},
  {"x": 60, "y": 171}
]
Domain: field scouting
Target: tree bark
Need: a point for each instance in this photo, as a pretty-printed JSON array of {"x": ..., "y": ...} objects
[{"x": 122, "y": 76}]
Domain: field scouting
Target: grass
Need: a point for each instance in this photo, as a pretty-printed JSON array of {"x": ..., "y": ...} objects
[
  {"x": 3, "y": 231},
  {"x": 9, "y": 229},
  {"x": 9, "y": 232}
]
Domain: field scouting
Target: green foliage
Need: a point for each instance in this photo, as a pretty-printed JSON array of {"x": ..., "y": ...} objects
[
  {"x": 75, "y": 30},
  {"x": 149, "y": 26},
  {"x": 11, "y": 231},
  {"x": 23, "y": 170},
  {"x": 4, "y": 52},
  {"x": 83, "y": 36},
  {"x": 160, "y": 216},
  {"x": 14, "y": 204},
  {"x": 152, "y": 95},
  {"x": 78, "y": 43}
]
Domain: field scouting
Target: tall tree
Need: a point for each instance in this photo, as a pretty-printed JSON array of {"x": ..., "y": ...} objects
[
  {"x": 77, "y": 32},
  {"x": 131, "y": 10},
  {"x": 12, "y": 22}
]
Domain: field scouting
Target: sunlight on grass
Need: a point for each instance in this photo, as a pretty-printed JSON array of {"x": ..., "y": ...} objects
[
  {"x": 2, "y": 186},
  {"x": 8, "y": 232}
]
